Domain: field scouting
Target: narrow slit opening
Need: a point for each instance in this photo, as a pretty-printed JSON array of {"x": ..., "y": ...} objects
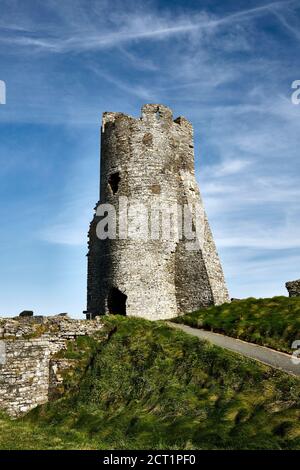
[{"x": 113, "y": 181}]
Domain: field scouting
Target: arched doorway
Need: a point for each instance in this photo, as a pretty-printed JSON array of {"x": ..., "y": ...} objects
[{"x": 116, "y": 302}]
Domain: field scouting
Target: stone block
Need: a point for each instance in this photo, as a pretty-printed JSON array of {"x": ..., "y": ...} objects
[{"x": 293, "y": 288}]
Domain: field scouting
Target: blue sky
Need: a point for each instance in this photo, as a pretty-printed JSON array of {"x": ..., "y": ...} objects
[{"x": 227, "y": 66}]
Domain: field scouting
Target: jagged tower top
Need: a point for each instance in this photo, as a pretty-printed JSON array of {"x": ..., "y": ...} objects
[{"x": 151, "y": 114}]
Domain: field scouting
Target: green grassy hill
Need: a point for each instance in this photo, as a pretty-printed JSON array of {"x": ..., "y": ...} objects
[
  {"x": 149, "y": 386},
  {"x": 274, "y": 323}
]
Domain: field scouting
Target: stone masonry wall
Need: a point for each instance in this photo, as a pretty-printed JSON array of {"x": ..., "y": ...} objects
[
  {"x": 152, "y": 159},
  {"x": 29, "y": 373},
  {"x": 293, "y": 288}
]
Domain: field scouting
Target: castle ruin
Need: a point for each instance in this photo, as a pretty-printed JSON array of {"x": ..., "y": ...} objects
[
  {"x": 144, "y": 160},
  {"x": 293, "y": 288}
]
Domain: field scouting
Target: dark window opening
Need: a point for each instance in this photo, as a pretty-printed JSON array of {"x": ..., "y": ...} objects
[
  {"x": 114, "y": 181},
  {"x": 116, "y": 302}
]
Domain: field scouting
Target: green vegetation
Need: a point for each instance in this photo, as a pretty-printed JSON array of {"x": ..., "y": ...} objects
[
  {"x": 274, "y": 323},
  {"x": 144, "y": 385}
]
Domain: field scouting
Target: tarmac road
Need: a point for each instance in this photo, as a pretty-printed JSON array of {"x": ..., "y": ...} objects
[{"x": 270, "y": 357}]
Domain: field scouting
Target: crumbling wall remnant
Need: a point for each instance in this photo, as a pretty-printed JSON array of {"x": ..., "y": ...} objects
[
  {"x": 29, "y": 370},
  {"x": 293, "y": 288}
]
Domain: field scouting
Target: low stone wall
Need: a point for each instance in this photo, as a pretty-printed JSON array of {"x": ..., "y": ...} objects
[
  {"x": 29, "y": 373},
  {"x": 293, "y": 288}
]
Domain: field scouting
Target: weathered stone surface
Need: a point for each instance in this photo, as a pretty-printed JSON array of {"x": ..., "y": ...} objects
[
  {"x": 142, "y": 159},
  {"x": 293, "y": 288},
  {"x": 30, "y": 373}
]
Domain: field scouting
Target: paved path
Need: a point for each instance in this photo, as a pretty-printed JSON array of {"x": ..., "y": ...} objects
[{"x": 272, "y": 358}]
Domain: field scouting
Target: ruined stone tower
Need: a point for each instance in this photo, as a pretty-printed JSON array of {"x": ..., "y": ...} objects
[{"x": 150, "y": 159}]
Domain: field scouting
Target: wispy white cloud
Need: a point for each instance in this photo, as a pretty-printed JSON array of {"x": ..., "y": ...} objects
[
  {"x": 142, "y": 92},
  {"x": 130, "y": 28},
  {"x": 274, "y": 240},
  {"x": 71, "y": 233},
  {"x": 227, "y": 167},
  {"x": 139, "y": 63},
  {"x": 293, "y": 30}
]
